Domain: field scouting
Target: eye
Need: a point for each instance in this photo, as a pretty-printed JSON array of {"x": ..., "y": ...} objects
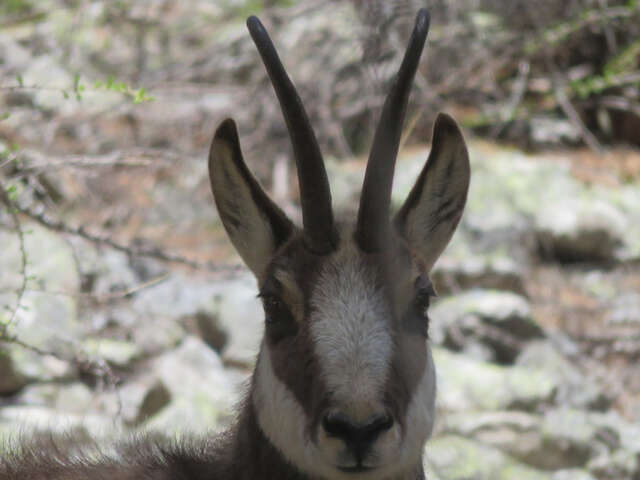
[
  {"x": 417, "y": 318},
  {"x": 279, "y": 321},
  {"x": 424, "y": 293}
]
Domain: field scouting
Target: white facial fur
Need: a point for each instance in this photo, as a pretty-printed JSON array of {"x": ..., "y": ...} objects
[
  {"x": 351, "y": 332},
  {"x": 352, "y": 339}
]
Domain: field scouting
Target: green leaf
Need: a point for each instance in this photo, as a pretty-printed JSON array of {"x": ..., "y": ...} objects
[{"x": 20, "y": 80}]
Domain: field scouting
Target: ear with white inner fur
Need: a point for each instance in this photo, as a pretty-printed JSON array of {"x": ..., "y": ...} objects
[
  {"x": 434, "y": 207},
  {"x": 255, "y": 225}
]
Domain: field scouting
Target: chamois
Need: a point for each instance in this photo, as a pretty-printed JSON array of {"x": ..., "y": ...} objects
[{"x": 344, "y": 383}]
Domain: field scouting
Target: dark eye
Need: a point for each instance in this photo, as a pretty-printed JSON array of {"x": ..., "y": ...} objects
[
  {"x": 424, "y": 293},
  {"x": 278, "y": 319},
  {"x": 418, "y": 320},
  {"x": 421, "y": 301}
]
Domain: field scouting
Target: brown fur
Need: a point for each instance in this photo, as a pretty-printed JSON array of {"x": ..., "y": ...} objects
[{"x": 242, "y": 453}]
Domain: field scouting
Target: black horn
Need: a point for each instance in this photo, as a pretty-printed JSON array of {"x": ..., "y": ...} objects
[
  {"x": 373, "y": 213},
  {"x": 315, "y": 196}
]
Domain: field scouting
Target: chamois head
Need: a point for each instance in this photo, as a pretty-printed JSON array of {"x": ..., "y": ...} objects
[{"x": 344, "y": 384}]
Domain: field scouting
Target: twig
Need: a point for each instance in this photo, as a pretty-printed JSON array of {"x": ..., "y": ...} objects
[
  {"x": 23, "y": 257},
  {"x": 559, "y": 89},
  {"x": 136, "y": 288},
  {"x": 17, "y": 20},
  {"x": 570, "y": 111},
  {"x": 519, "y": 89},
  {"x": 152, "y": 252},
  {"x": 99, "y": 299},
  {"x": 96, "y": 366}
]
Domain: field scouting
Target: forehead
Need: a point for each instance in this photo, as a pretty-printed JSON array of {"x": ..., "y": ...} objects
[{"x": 344, "y": 277}]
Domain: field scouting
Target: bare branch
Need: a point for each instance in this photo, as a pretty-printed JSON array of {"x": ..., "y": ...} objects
[
  {"x": 44, "y": 219},
  {"x": 4, "y": 197}
]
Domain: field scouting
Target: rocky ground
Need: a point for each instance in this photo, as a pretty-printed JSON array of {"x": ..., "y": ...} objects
[{"x": 536, "y": 332}]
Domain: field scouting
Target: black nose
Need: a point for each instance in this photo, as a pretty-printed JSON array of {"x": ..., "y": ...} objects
[{"x": 357, "y": 436}]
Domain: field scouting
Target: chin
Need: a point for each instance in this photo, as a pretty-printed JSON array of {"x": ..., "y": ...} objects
[{"x": 387, "y": 458}]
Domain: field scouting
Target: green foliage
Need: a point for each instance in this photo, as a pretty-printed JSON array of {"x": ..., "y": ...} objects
[
  {"x": 253, "y": 7},
  {"x": 12, "y": 192},
  {"x": 555, "y": 35},
  {"x": 15, "y": 6},
  {"x": 625, "y": 61},
  {"x": 8, "y": 154},
  {"x": 111, "y": 84}
]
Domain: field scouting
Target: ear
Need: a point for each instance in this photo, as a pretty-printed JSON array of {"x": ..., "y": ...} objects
[
  {"x": 434, "y": 207},
  {"x": 255, "y": 225}
]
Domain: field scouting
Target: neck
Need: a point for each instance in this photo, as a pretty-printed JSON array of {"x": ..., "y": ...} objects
[{"x": 250, "y": 455}]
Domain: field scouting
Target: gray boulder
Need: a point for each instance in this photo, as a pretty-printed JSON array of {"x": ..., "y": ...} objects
[
  {"x": 453, "y": 457},
  {"x": 574, "y": 387},
  {"x": 468, "y": 384},
  {"x": 500, "y": 320},
  {"x": 201, "y": 393}
]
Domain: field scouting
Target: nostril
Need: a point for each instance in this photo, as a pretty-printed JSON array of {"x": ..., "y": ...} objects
[
  {"x": 338, "y": 425},
  {"x": 341, "y": 426},
  {"x": 378, "y": 424}
]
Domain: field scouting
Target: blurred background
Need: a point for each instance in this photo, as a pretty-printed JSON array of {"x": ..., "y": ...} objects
[{"x": 123, "y": 304}]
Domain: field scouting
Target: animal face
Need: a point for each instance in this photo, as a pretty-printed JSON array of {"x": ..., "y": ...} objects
[{"x": 344, "y": 384}]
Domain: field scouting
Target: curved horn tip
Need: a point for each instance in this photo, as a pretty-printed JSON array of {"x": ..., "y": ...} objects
[
  {"x": 423, "y": 17},
  {"x": 253, "y": 23},
  {"x": 445, "y": 122},
  {"x": 227, "y": 130}
]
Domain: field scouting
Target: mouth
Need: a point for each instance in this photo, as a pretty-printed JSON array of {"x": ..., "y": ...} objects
[{"x": 356, "y": 469}]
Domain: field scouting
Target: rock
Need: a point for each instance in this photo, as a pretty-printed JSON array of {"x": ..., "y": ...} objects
[
  {"x": 608, "y": 445},
  {"x": 572, "y": 474},
  {"x": 142, "y": 398},
  {"x": 574, "y": 388},
  {"x": 73, "y": 398},
  {"x": 233, "y": 302},
  {"x": 625, "y": 309},
  {"x": 467, "y": 384},
  {"x": 46, "y": 67},
  {"x": 626, "y": 199},
  {"x": 156, "y": 335},
  {"x": 513, "y": 432},
  {"x": 619, "y": 465},
  {"x": 547, "y": 130},
  {"x": 580, "y": 229},
  {"x": 202, "y": 395},
  {"x": 501, "y": 320},
  {"x": 573, "y": 221},
  {"x": 26, "y": 419},
  {"x": 118, "y": 353},
  {"x": 177, "y": 296},
  {"x": 110, "y": 269},
  {"x": 562, "y": 439},
  {"x": 11, "y": 379},
  {"x": 26, "y": 366},
  {"x": 47, "y": 317},
  {"x": 239, "y": 313},
  {"x": 463, "y": 267},
  {"x": 210, "y": 331},
  {"x": 456, "y": 458}
]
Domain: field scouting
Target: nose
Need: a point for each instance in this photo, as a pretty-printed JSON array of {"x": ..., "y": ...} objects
[{"x": 357, "y": 436}]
